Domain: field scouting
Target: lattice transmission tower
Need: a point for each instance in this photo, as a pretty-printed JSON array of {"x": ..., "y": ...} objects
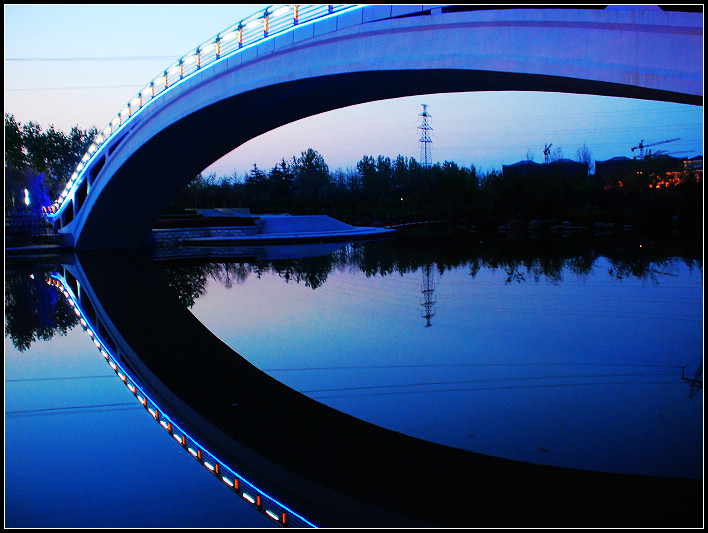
[
  {"x": 428, "y": 300},
  {"x": 426, "y": 143}
]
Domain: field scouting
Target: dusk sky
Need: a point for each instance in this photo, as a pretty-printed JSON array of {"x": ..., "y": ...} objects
[{"x": 72, "y": 65}]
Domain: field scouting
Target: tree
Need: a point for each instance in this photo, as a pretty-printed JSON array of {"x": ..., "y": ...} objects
[
  {"x": 256, "y": 183},
  {"x": 280, "y": 181},
  {"x": 50, "y": 153},
  {"x": 583, "y": 155},
  {"x": 311, "y": 174},
  {"x": 557, "y": 154},
  {"x": 14, "y": 154}
]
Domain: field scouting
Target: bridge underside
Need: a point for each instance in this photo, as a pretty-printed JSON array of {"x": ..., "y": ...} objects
[{"x": 141, "y": 189}]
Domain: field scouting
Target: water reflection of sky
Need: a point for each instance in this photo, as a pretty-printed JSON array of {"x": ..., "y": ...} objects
[
  {"x": 583, "y": 372},
  {"x": 81, "y": 452}
]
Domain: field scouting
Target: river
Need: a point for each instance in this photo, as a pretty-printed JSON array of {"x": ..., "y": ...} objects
[{"x": 565, "y": 353}]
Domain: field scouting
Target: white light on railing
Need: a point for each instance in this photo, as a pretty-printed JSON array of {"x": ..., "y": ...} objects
[
  {"x": 208, "y": 48},
  {"x": 135, "y": 101},
  {"x": 253, "y": 23},
  {"x": 281, "y": 11},
  {"x": 189, "y": 60},
  {"x": 229, "y": 36},
  {"x": 85, "y": 158},
  {"x": 174, "y": 70}
]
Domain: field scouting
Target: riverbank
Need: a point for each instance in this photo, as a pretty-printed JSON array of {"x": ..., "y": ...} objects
[
  {"x": 267, "y": 229},
  {"x": 215, "y": 230}
]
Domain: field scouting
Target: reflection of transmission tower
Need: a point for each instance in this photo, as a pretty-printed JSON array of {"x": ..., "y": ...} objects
[
  {"x": 428, "y": 290},
  {"x": 426, "y": 148}
]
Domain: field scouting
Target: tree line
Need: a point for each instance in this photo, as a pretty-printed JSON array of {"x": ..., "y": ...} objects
[
  {"x": 377, "y": 189},
  {"x": 391, "y": 190}
]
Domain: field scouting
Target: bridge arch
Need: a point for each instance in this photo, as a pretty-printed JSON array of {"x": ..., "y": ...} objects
[{"x": 213, "y": 100}]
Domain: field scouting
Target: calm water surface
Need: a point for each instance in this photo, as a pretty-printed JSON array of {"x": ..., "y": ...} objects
[
  {"x": 561, "y": 368},
  {"x": 572, "y": 359}
]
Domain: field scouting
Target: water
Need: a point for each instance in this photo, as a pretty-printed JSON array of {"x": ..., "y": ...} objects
[{"x": 575, "y": 356}]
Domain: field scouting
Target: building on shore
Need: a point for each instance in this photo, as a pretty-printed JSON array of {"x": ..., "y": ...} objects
[
  {"x": 656, "y": 172},
  {"x": 566, "y": 169}
]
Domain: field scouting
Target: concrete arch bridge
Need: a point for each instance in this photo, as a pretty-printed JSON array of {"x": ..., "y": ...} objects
[{"x": 293, "y": 61}]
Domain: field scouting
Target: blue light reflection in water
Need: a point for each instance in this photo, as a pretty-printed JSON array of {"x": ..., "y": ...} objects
[
  {"x": 580, "y": 370},
  {"x": 584, "y": 372},
  {"x": 80, "y": 451}
]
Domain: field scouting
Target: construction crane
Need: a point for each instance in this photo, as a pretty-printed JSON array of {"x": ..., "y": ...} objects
[
  {"x": 641, "y": 146},
  {"x": 665, "y": 152}
]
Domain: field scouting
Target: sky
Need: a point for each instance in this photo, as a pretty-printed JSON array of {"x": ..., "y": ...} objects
[{"x": 68, "y": 65}]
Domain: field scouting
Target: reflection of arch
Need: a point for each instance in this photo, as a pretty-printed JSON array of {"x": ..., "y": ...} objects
[
  {"x": 329, "y": 467},
  {"x": 362, "y": 55}
]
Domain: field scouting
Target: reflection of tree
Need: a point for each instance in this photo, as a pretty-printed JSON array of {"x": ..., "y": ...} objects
[
  {"x": 33, "y": 310},
  {"x": 645, "y": 269},
  {"x": 522, "y": 262},
  {"x": 312, "y": 272},
  {"x": 232, "y": 273},
  {"x": 189, "y": 282}
]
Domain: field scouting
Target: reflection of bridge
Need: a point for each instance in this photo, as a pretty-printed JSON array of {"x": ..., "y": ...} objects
[
  {"x": 293, "y": 61},
  {"x": 263, "y": 502},
  {"x": 303, "y": 463}
]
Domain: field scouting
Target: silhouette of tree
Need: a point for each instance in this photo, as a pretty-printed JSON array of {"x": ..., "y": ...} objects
[{"x": 34, "y": 311}]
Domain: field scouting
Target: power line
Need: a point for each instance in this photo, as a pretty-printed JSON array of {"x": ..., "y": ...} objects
[
  {"x": 76, "y": 88},
  {"x": 110, "y": 58}
]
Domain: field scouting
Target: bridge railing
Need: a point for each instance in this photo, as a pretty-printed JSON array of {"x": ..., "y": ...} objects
[
  {"x": 263, "y": 502},
  {"x": 246, "y": 32}
]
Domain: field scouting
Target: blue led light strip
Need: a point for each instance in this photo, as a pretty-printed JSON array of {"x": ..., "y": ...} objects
[
  {"x": 248, "y": 32},
  {"x": 264, "y": 503}
]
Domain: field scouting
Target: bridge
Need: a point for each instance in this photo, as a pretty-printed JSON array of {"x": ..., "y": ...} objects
[{"x": 293, "y": 61}]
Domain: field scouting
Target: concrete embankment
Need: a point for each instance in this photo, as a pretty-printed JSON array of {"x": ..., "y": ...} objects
[
  {"x": 269, "y": 229},
  {"x": 266, "y": 230}
]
